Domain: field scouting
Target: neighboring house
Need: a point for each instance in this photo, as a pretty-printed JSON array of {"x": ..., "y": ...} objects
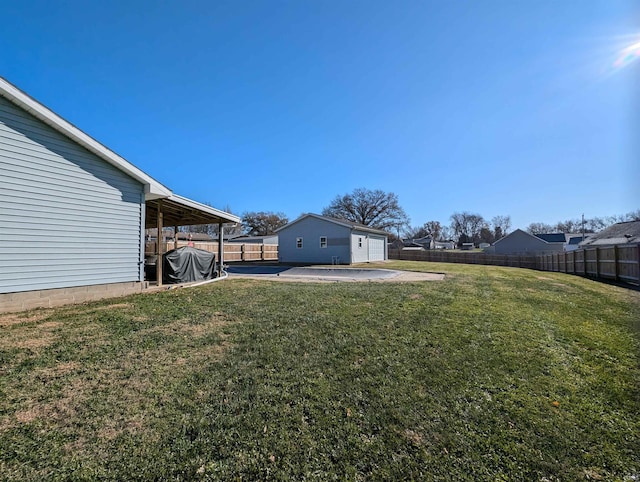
[
  {"x": 57, "y": 182},
  {"x": 520, "y": 242},
  {"x": 574, "y": 240},
  {"x": 426, "y": 242},
  {"x": 619, "y": 233},
  {"x": 322, "y": 240},
  {"x": 444, "y": 245}
]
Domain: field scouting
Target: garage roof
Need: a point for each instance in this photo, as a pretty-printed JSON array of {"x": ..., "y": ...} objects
[{"x": 341, "y": 222}]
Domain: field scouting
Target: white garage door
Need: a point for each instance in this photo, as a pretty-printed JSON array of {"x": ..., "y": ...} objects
[{"x": 376, "y": 249}]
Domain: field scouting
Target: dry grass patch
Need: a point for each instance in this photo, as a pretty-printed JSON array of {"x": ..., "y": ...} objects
[
  {"x": 30, "y": 337},
  {"x": 9, "y": 319}
]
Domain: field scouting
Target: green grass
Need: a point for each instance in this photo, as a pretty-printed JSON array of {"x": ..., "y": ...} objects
[{"x": 492, "y": 374}]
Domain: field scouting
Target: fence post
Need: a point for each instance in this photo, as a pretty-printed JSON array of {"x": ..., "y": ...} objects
[
  {"x": 615, "y": 262},
  {"x": 597, "y": 262},
  {"x": 584, "y": 262}
]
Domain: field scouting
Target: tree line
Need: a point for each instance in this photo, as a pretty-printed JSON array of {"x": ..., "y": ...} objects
[{"x": 381, "y": 210}]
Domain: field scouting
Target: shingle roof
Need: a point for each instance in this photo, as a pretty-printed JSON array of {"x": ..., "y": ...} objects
[
  {"x": 619, "y": 233},
  {"x": 342, "y": 222},
  {"x": 552, "y": 237}
]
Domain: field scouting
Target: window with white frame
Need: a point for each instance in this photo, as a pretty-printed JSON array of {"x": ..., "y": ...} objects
[
  {"x": 299, "y": 243},
  {"x": 323, "y": 241},
  {"x": 359, "y": 242}
]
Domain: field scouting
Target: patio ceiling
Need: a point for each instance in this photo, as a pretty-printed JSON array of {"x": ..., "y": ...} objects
[{"x": 180, "y": 211}]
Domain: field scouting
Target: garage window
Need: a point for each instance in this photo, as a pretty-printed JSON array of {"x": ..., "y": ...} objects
[
  {"x": 359, "y": 242},
  {"x": 323, "y": 241},
  {"x": 299, "y": 243}
]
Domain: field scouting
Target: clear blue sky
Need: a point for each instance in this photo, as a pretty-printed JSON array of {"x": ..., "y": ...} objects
[{"x": 494, "y": 107}]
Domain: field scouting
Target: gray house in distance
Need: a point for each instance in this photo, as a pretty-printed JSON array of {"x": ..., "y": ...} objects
[
  {"x": 520, "y": 242},
  {"x": 72, "y": 212},
  {"x": 315, "y": 239}
]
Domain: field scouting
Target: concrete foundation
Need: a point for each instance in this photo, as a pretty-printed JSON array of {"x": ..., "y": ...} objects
[{"x": 28, "y": 300}]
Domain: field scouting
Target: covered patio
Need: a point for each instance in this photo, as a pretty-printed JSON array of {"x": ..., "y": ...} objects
[{"x": 175, "y": 211}]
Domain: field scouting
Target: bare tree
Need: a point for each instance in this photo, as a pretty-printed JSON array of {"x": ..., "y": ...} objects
[
  {"x": 446, "y": 234},
  {"x": 377, "y": 209},
  {"x": 414, "y": 232},
  {"x": 467, "y": 226},
  {"x": 430, "y": 228},
  {"x": 501, "y": 226},
  {"x": 263, "y": 223},
  {"x": 539, "y": 228},
  {"x": 568, "y": 226},
  {"x": 212, "y": 229}
]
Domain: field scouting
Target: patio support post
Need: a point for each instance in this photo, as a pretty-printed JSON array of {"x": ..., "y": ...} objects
[
  {"x": 175, "y": 237},
  {"x": 159, "y": 243},
  {"x": 220, "y": 248}
]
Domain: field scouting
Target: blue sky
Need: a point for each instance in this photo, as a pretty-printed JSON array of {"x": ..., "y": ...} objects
[{"x": 493, "y": 107}]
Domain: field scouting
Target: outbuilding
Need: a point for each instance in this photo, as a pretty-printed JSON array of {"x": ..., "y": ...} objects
[
  {"x": 315, "y": 239},
  {"x": 72, "y": 212}
]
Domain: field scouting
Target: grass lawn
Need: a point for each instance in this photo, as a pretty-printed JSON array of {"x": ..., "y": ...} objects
[{"x": 493, "y": 374}]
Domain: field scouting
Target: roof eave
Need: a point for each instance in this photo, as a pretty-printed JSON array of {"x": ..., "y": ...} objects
[{"x": 230, "y": 218}]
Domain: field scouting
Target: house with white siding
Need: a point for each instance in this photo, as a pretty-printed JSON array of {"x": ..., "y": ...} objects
[
  {"x": 315, "y": 239},
  {"x": 72, "y": 212}
]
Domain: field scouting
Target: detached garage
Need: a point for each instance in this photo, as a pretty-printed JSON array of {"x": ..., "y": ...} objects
[{"x": 315, "y": 239}]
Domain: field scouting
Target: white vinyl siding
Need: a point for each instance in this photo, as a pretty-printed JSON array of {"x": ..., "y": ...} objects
[
  {"x": 67, "y": 218},
  {"x": 344, "y": 244},
  {"x": 359, "y": 251}
]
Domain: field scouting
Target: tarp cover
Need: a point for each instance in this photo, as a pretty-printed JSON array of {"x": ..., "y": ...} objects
[{"x": 184, "y": 265}]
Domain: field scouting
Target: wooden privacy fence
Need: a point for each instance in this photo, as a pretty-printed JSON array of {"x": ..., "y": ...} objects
[
  {"x": 618, "y": 263},
  {"x": 232, "y": 251},
  {"x": 444, "y": 256}
]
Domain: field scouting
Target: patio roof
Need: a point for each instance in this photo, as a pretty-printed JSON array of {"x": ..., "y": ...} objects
[{"x": 180, "y": 211}]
